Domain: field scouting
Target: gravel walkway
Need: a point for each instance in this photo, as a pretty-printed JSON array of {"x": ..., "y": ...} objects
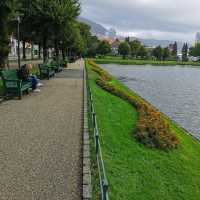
[{"x": 41, "y": 141}]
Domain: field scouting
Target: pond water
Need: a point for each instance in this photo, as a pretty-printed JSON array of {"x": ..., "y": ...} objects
[{"x": 173, "y": 90}]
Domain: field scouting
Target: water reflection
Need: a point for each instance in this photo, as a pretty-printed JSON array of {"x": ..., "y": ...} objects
[{"x": 174, "y": 90}]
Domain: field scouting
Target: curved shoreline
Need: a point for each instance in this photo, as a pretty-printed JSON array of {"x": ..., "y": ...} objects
[
  {"x": 169, "y": 119},
  {"x": 149, "y": 168},
  {"x": 145, "y": 62}
]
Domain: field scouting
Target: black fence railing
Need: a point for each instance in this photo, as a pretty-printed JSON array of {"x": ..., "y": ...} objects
[{"x": 103, "y": 181}]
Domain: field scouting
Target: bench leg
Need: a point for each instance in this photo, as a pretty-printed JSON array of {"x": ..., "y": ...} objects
[{"x": 20, "y": 96}]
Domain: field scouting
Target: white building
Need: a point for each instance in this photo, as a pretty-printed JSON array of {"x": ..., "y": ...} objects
[
  {"x": 197, "y": 39},
  {"x": 28, "y": 48},
  {"x": 13, "y": 47}
]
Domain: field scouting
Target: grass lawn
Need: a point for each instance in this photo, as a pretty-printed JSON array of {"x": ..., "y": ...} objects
[
  {"x": 119, "y": 60},
  {"x": 134, "y": 171}
]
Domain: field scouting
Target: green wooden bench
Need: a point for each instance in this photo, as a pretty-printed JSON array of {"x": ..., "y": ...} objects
[
  {"x": 64, "y": 63},
  {"x": 56, "y": 66},
  {"x": 46, "y": 71},
  {"x": 13, "y": 85}
]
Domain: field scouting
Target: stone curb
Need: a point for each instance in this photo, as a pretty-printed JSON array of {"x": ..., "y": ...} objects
[{"x": 86, "y": 185}]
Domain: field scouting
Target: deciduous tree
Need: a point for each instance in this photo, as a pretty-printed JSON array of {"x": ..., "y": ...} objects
[
  {"x": 6, "y": 11},
  {"x": 104, "y": 48},
  {"x": 124, "y": 49}
]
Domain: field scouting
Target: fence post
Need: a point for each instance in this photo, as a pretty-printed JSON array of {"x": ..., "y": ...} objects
[
  {"x": 97, "y": 143},
  {"x": 94, "y": 121},
  {"x": 105, "y": 189},
  {"x": 104, "y": 182}
]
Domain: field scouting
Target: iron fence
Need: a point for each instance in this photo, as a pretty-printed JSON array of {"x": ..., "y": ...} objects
[{"x": 103, "y": 181}]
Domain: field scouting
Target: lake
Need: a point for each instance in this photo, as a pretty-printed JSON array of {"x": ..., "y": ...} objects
[{"x": 174, "y": 90}]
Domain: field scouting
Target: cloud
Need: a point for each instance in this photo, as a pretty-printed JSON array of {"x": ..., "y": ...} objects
[{"x": 158, "y": 18}]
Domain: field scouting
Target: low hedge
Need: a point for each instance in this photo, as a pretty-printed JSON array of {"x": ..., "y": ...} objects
[
  {"x": 102, "y": 73},
  {"x": 152, "y": 129}
]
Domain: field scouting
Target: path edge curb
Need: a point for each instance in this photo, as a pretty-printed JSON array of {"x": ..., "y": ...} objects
[{"x": 86, "y": 181}]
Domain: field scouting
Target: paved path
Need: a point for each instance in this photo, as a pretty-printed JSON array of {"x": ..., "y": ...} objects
[{"x": 41, "y": 139}]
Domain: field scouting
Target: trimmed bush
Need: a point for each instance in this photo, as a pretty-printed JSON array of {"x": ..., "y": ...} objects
[
  {"x": 152, "y": 129},
  {"x": 102, "y": 73}
]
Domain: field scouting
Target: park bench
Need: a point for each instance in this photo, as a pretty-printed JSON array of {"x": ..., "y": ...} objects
[
  {"x": 13, "y": 85},
  {"x": 46, "y": 71},
  {"x": 64, "y": 63},
  {"x": 56, "y": 66},
  {"x": 59, "y": 64}
]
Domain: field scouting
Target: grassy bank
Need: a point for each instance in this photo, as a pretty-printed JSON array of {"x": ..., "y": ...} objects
[
  {"x": 119, "y": 60},
  {"x": 138, "y": 172}
]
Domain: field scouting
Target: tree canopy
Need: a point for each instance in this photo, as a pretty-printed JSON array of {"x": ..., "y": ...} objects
[
  {"x": 103, "y": 48},
  {"x": 195, "y": 51},
  {"x": 124, "y": 49},
  {"x": 48, "y": 23},
  {"x": 6, "y": 13}
]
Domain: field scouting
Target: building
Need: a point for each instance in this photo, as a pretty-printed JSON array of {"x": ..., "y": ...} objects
[
  {"x": 115, "y": 46},
  {"x": 13, "y": 47},
  {"x": 112, "y": 33},
  {"x": 28, "y": 49},
  {"x": 197, "y": 39}
]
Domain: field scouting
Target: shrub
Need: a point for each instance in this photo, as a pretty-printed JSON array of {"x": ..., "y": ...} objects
[
  {"x": 102, "y": 73},
  {"x": 152, "y": 129}
]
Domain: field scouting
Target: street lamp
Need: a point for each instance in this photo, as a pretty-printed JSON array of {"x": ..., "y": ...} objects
[{"x": 18, "y": 41}]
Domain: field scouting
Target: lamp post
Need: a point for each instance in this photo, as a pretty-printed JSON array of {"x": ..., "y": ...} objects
[{"x": 18, "y": 41}]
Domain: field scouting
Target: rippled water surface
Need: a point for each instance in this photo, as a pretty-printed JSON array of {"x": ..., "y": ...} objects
[{"x": 174, "y": 90}]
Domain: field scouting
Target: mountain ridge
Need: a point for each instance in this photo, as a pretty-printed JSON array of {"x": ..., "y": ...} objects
[{"x": 100, "y": 30}]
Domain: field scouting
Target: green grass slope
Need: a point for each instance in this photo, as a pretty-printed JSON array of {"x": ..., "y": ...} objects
[
  {"x": 119, "y": 60},
  {"x": 136, "y": 172}
]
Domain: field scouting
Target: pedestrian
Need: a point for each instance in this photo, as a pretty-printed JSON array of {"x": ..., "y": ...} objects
[{"x": 25, "y": 74}]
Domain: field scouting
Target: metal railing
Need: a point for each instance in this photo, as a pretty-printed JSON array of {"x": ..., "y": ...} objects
[{"x": 103, "y": 181}]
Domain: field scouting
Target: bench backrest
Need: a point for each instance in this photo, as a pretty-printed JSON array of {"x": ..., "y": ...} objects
[{"x": 9, "y": 74}]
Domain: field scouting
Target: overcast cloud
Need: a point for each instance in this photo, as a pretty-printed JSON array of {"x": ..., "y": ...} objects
[{"x": 163, "y": 19}]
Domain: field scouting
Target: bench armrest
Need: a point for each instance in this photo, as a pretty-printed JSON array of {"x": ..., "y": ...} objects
[
  {"x": 16, "y": 81},
  {"x": 13, "y": 80}
]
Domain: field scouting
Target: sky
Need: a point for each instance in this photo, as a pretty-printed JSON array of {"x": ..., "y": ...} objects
[{"x": 159, "y": 19}]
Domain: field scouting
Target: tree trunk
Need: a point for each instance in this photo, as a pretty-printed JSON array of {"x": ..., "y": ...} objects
[
  {"x": 39, "y": 51},
  {"x": 56, "y": 49},
  {"x": 2, "y": 62},
  {"x": 32, "y": 53},
  {"x": 67, "y": 52},
  {"x": 44, "y": 49},
  {"x": 4, "y": 42},
  {"x": 63, "y": 52},
  {"x": 24, "y": 49}
]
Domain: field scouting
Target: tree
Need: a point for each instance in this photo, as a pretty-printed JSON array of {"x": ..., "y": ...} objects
[
  {"x": 142, "y": 52},
  {"x": 49, "y": 20},
  {"x": 127, "y": 39},
  {"x": 185, "y": 52},
  {"x": 158, "y": 52},
  {"x": 166, "y": 53},
  {"x": 124, "y": 49},
  {"x": 135, "y": 46},
  {"x": 175, "y": 49},
  {"x": 195, "y": 51},
  {"x": 92, "y": 46},
  {"x": 104, "y": 48},
  {"x": 6, "y": 11}
]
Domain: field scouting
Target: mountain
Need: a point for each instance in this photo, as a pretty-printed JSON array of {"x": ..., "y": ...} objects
[
  {"x": 96, "y": 29},
  {"x": 162, "y": 43},
  {"x": 99, "y": 30}
]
